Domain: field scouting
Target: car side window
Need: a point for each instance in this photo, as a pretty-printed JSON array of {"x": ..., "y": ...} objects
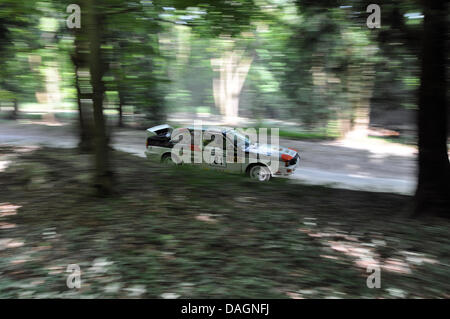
[
  {"x": 207, "y": 139},
  {"x": 230, "y": 142},
  {"x": 181, "y": 136},
  {"x": 211, "y": 139}
]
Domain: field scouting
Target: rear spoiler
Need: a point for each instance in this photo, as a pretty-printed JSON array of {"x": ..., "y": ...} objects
[{"x": 163, "y": 130}]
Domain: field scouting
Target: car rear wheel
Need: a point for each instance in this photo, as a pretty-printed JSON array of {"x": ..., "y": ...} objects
[
  {"x": 166, "y": 159},
  {"x": 260, "y": 173}
]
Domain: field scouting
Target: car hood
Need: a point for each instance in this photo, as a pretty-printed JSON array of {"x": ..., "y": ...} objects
[{"x": 281, "y": 152}]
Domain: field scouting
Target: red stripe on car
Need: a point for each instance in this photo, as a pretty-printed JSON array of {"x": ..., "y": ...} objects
[{"x": 286, "y": 157}]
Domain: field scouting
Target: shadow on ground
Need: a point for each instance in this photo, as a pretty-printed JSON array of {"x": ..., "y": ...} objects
[{"x": 184, "y": 232}]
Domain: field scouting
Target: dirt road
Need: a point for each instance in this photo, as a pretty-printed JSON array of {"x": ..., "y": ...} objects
[{"x": 370, "y": 164}]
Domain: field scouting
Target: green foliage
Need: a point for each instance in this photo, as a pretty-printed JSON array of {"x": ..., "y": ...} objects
[
  {"x": 307, "y": 58},
  {"x": 212, "y": 18},
  {"x": 137, "y": 71},
  {"x": 19, "y": 37}
]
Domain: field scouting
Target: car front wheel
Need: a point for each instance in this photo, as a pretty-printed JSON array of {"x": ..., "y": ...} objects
[{"x": 260, "y": 173}]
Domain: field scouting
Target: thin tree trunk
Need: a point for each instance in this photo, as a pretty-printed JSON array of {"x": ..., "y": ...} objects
[
  {"x": 103, "y": 173},
  {"x": 121, "y": 102},
  {"x": 119, "y": 78},
  {"x": 80, "y": 60},
  {"x": 16, "y": 109},
  {"x": 84, "y": 119},
  {"x": 360, "y": 85},
  {"x": 433, "y": 193}
]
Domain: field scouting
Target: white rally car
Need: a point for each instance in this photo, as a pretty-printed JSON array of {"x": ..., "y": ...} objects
[{"x": 235, "y": 152}]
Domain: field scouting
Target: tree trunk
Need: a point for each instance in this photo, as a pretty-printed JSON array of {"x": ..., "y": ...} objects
[
  {"x": 432, "y": 194},
  {"x": 233, "y": 68},
  {"x": 16, "y": 109},
  {"x": 119, "y": 78},
  {"x": 103, "y": 173},
  {"x": 360, "y": 84},
  {"x": 80, "y": 60},
  {"x": 84, "y": 113},
  {"x": 121, "y": 102}
]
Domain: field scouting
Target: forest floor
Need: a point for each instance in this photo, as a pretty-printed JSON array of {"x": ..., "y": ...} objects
[{"x": 182, "y": 232}]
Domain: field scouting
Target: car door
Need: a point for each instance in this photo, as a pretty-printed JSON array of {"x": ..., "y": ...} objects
[
  {"x": 235, "y": 160},
  {"x": 213, "y": 152},
  {"x": 215, "y": 155}
]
